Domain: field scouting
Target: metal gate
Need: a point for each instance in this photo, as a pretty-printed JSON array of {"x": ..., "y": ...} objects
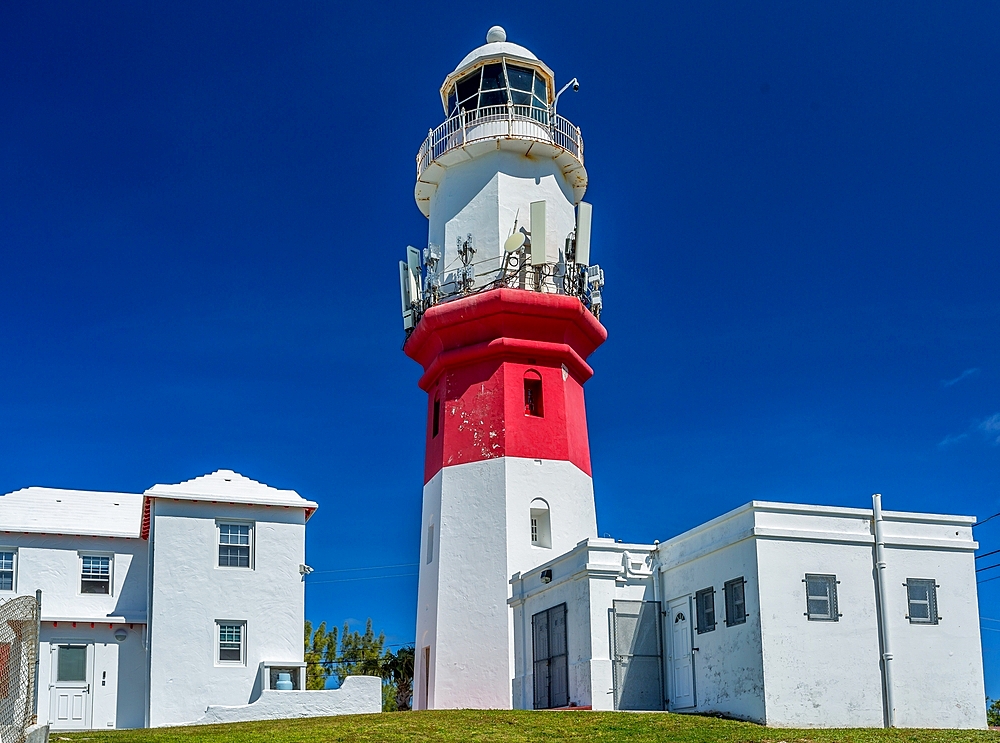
[
  {"x": 18, "y": 663},
  {"x": 638, "y": 661}
]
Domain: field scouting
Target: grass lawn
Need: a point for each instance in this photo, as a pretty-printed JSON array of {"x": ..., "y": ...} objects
[{"x": 466, "y": 725}]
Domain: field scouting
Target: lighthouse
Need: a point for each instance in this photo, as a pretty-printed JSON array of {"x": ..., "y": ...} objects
[{"x": 501, "y": 309}]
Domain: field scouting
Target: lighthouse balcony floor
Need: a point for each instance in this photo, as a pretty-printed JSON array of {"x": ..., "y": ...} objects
[{"x": 527, "y": 130}]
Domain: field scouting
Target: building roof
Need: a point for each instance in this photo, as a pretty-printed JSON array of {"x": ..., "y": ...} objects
[
  {"x": 100, "y": 514},
  {"x": 230, "y": 487},
  {"x": 85, "y": 512}
]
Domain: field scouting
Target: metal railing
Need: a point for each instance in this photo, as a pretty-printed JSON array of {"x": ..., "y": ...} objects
[{"x": 500, "y": 122}]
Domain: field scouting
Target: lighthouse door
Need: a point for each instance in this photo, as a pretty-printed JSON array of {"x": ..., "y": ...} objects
[{"x": 681, "y": 658}]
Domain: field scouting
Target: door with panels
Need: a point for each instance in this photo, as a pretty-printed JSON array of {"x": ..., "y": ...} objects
[
  {"x": 70, "y": 672},
  {"x": 680, "y": 660},
  {"x": 550, "y": 660}
]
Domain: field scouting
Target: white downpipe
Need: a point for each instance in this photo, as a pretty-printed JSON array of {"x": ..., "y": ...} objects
[{"x": 883, "y": 611}]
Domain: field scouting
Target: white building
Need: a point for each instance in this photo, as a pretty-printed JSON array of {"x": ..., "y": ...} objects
[
  {"x": 158, "y": 605},
  {"x": 771, "y": 613},
  {"x": 833, "y": 616}
]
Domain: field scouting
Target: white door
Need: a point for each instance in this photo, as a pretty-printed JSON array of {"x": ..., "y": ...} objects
[
  {"x": 69, "y": 690},
  {"x": 681, "y": 660}
]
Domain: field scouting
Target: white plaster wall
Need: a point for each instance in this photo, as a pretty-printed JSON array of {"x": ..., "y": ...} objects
[
  {"x": 190, "y": 592},
  {"x": 588, "y": 579},
  {"x": 484, "y": 196},
  {"x": 728, "y": 670},
  {"x": 937, "y": 669},
  {"x": 481, "y": 512},
  {"x": 819, "y": 674},
  {"x": 117, "y": 674},
  {"x": 358, "y": 695},
  {"x": 52, "y": 563},
  {"x": 427, "y": 595}
]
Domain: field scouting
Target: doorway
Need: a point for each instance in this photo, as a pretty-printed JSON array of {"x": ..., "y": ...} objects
[
  {"x": 69, "y": 689},
  {"x": 638, "y": 661},
  {"x": 680, "y": 661}
]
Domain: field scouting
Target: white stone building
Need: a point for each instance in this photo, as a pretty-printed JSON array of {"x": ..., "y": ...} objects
[
  {"x": 771, "y": 613},
  {"x": 780, "y": 613},
  {"x": 158, "y": 605}
]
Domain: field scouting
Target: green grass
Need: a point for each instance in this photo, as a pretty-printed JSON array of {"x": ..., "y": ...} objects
[{"x": 512, "y": 727}]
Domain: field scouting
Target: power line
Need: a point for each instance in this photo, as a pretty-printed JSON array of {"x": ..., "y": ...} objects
[
  {"x": 980, "y": 523},
  {"x": 373, "y": 567},
  {"x": 986, "y": 554},
  {"x": 980, "y": 582},
  {"x": 367, "y": 577},
  {"x": 988, "y": 567}
]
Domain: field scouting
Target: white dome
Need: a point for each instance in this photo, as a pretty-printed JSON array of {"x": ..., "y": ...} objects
[{"x": 495, "y": 49}]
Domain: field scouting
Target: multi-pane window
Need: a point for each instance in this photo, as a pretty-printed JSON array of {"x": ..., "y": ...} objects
[
  {"x": 921, "y": 599},
  {"x": 6, "y": 571},
  {"x": 705, "y": 604},
  {"x": 496, "y": 85},
  {"x": 736, "y": 605},
  {"x": 821, "y": 598},
  {"x": 234, "y": 545},
  {"x": 232, "y": 640},
  {"x": 95, "y": 576}
]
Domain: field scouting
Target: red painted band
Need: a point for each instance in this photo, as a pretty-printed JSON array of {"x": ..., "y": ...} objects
[{"x": 504, "y": 371}]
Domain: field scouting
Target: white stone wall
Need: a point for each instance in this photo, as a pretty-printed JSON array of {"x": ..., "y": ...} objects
[
  {"x": 482, "y": 530},
  {"x": 116, "y": 672},
  {"x": 588, "y": 580},
  {"x": 820, "y": 674},
  {"x": 52, "y": 563},
  {"x": 485, "y": 195},
  {"x": 728, "y": 674},
  {"x": 358, "y": 695},
  {"x": 190, "y": 592}
]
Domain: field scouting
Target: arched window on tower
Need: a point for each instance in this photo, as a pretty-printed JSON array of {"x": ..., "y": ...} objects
[
  {"x": 541, "y": 524},
  {"x": 533, "y": 394}
]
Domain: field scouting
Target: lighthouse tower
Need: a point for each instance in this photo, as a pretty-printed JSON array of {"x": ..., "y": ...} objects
[{"x": 501, "y": 310}]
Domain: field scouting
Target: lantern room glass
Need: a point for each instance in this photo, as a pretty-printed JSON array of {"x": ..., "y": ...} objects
[{"x": 497, "y": 84}]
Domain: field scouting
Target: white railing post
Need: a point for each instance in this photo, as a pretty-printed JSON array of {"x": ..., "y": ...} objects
[{"x": 461, "y": 112}]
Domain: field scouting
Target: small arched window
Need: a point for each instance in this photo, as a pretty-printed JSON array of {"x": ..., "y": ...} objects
[
  {"x": 541, "y": 524},
  {"x": 533, "y": 394}
]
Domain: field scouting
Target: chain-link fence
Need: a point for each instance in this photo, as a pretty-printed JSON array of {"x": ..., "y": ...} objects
[{"x": 18, "y": 657}]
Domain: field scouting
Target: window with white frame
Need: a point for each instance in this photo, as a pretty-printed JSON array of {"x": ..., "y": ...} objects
[
  {"x": 95, "y": 574},
  {"x": 232, "y": 642},
  {"x": 921, "y": 600},
  {"x": 821, "y": 598},
  {"x": 7, "y": 558},
  {"x": 235, "y": 545}
]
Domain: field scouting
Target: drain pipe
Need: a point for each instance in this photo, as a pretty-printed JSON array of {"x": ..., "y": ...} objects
[{"x": 883, "y": 611}]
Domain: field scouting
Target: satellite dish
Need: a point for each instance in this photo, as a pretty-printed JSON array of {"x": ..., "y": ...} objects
[{"x": 514, "y": 243}]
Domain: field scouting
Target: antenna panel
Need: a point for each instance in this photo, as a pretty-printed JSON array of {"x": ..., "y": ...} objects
[
  {"x": 584, "y": 215},
  {"x": 405, "y": 296},
  {"x": 537, "y": 233},
  {"x": 413, "y": 265}
]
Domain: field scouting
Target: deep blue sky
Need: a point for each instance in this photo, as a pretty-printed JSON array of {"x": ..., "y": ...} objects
[{"x": 796, "y": 205}]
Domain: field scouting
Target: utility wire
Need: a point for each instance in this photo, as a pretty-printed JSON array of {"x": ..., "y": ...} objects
[
  {"x": 980, "y": 523},
  {"x": 988, "y": 567},
  {"x": 367, "y": 577},
  {"x": 986, "y": 554},
  {"x": 374, "y": 567},
  {"x": 980, "y": 582}
]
